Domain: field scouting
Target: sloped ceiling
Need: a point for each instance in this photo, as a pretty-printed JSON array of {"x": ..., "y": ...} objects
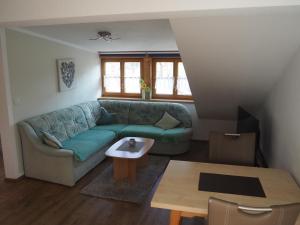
[{"x": 235, "y": 57}]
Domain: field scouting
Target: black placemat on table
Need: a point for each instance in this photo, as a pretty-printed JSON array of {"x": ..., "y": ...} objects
[
  {"x": 229, "y": 184},
  {"x": 126, "y": 147}
]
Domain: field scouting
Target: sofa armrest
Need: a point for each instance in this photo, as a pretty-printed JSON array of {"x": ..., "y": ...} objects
[
  {"x": 26, "y": 131},
  {"x": 53, "y": 151}
]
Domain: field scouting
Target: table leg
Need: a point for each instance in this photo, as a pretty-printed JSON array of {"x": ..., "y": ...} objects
[
  {"x": 124, "y": 168},
  {"x": 120, "y": 168},
  {"x": 132, "y": 170},
  {"x": 175, "y": 217},
  {"x": 143, "y": 161}
]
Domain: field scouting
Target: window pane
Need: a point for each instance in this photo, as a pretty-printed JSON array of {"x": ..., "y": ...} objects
[
  {"x": 112, "y": 77},
  {"x": 183, "y": 87},
  {"x": 164, "y": 78},
  {"x": 132, "y": 76}
]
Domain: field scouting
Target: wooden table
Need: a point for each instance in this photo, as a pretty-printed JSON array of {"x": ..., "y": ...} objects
[
  {"x": 125, "y": 162},
  {"x": 178, "y": 188}
]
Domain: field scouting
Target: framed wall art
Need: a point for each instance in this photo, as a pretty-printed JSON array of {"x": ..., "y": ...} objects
[{"x": 66, "y": 74}]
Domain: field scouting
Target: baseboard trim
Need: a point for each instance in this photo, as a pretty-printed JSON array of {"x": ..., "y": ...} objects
[
  {"x": 11, "y": 180},
  {"x": 200, "y": 140}
]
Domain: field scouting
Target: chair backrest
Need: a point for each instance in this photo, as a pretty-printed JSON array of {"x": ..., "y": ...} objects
[
  {"x": 232, "y": 149},
  {"x": 226, "y": 213}
]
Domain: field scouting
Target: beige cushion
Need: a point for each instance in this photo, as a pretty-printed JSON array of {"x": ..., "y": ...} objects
[
  {"x": 167, "y": 122},
  {"x": 51, "y": 140}
]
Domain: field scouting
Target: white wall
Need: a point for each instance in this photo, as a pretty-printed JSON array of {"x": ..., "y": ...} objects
[
  {"x": 280, "y": 121},
  {"x": 30, "y": 11},
  {"x": 12, "y": 160},
  {"x": 33, "y": 74},
  {"x": 33, "y": 85},
  {"x": 202, "y": 127}
]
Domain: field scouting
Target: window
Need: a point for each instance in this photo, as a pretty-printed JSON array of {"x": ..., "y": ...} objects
[
  {"x": 170, "y": 80},
  {"x": 164, "y": 79},
  {"x": 132, "y": 76},
  {"x": 165, "y": 76},
  {"x": 121, "y": 77},
  {"x": 112, "y": 77},
  {"x": 183, "y": 87}
]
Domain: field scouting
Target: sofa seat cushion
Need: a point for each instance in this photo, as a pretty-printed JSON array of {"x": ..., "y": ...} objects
[
  {"x": 176, "y": 135},
  {"x": 117, "y": 128},
  {"x": 147, "y": 131},
  {"x": 89, "y": 142}
]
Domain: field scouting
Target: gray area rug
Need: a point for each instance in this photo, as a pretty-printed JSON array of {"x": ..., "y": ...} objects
[{"x": 104, "y": 186}]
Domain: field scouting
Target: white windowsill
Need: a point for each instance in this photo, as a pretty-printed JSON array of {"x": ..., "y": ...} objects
[{"x": 152, "y": 100}]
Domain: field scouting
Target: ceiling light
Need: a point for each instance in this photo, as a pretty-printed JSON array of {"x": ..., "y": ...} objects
[{"x": 104, "y": 35}]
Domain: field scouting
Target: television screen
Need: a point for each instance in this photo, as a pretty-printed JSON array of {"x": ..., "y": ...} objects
[{"x": 247, "y": 123}]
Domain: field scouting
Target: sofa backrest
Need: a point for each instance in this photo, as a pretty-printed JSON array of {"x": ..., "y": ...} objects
[
  {"x": 68, "y": 122},
  {"x": 147, "y": 113},
  {"x": 63, "y": 124},
  {"x": 92, "y": 112},
  {"x": 120, "y": 107}
]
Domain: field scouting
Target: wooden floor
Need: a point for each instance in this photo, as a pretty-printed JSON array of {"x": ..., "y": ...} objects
[{"x": 33, "y": 202}]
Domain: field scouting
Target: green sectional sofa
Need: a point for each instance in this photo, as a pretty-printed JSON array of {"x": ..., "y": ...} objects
[{"x": 84, "y": 143}]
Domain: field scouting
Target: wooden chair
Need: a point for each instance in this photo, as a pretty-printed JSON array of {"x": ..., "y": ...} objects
[{"x": 226, "y": 213}]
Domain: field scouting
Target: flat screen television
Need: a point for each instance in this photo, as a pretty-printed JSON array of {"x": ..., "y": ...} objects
[{"x": 247, "y": 123}]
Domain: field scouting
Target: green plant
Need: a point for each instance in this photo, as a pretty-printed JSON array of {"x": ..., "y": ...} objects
[{"x": 144, "y": 86}]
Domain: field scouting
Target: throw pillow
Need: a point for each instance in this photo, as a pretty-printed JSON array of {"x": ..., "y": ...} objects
[
  {"x": 106, "y": 117},
  {"x": 51, "y": 140},
  {"x": 167, "y": 122}
]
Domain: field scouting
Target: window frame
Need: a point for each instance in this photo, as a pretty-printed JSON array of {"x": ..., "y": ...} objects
[
  {"x": 122, "y": 61},
  {"x": 175, "y": 95}
]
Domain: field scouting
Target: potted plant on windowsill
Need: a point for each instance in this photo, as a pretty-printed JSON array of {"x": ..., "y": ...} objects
[{"x": 146, "y": 90}]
